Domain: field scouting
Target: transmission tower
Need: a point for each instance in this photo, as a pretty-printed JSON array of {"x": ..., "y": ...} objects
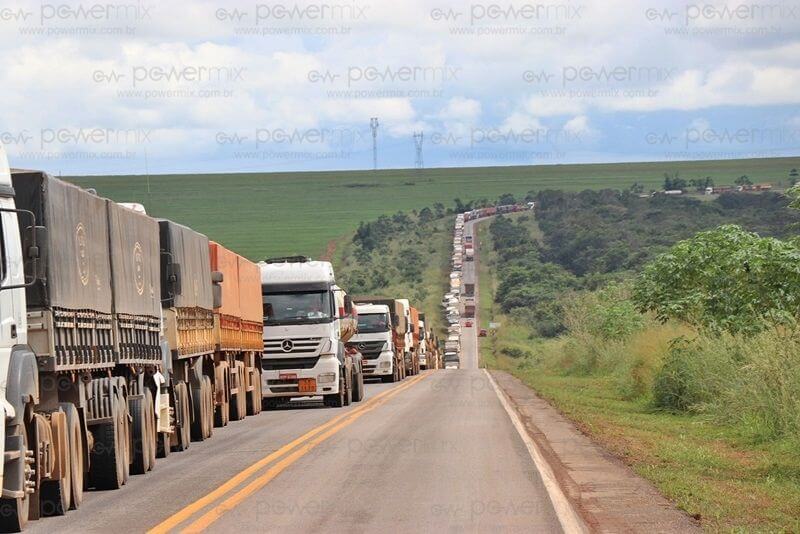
[
  {"x": 418, "y": 137},
  {"x": 373, "y": 124}
]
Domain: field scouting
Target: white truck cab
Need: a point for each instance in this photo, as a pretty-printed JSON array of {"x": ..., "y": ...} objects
[
  {"x": 374, "y": 339},
  {"x": 303, "y": 353},
  {"x": 423, "y": 345}
]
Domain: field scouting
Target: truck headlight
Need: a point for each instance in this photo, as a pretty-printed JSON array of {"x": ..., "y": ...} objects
[
  {"x": 326, "y": 378},
  {"x": 386, "y": 365}
]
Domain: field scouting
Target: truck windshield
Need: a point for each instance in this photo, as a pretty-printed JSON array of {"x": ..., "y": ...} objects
[
  {"x": 370, "y": 323},
  {"x": 297, "y": 308}
]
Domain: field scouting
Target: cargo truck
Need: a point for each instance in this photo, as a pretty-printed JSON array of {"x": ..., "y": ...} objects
[
  {"x": 469, "y": 289},
  {"x": 401, "y": 343},
  {"x": 238, "y": 324},
  {"x": 304, "y": 355},
  {"x": 412, "y": 362},
  {"x": 106, "y": 326},
  {"x": 422, "y": 351},
  {"x": 374, "y": 341},
  {"x": 469, "y": 309},
  {"x": 80, "y": 335}
]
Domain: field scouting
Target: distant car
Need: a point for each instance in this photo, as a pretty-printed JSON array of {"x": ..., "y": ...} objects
[
  {"x": 482, "y": 332},
  {"x": 468, "y": 324}
]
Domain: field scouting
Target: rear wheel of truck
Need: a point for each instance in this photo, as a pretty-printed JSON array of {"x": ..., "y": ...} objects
[
  {"x": 77, "y": 451},
  {"x": 222, "y": 409},
  {"x": 107, "y": 470},
  {"x": 269, "y": 403},
  {"x": 200, "y": 423},
  {"x": 14, "y": 512},
  {"x": 139, "y": 436},
  {"x": 208, "y": 395},
  {"x": 182, "y": 412},
  {"x": 56, "y": 495},
  {"x": 348, "y": 390},
  {"x": 358, "y": 386},
  {"x": 238, "y": 401},
  {"x": 152, "y": 428},
  {"x": 254, "y": 397}
]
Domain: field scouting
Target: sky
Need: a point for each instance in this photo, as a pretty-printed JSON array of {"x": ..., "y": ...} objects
[{"x": 183, "y": 87}]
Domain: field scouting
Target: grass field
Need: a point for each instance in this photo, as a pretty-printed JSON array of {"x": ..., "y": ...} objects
[{"x": 267, "y": 214}]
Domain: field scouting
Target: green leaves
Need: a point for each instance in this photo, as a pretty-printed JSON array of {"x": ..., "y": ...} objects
[{"x": 725, "y": 279}]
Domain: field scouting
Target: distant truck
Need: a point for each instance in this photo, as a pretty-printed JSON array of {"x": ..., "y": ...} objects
[
  {"x": 469, "y": 289},
  {"x": 401, "y": 332},
  {"x": 469, "y": 255},
  {"x": 469, "y": 310},
  {"x": 373, "y": 341},
  {"x": 304, "y": 355}
]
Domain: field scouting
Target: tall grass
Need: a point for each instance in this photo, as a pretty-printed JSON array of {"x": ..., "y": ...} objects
[{"x": 750, "y": 383}]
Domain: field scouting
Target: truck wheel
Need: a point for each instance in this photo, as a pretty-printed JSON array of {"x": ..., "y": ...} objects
[
  {"x": 76, "y": 450},
  {"x": 337, "y": 399},
  {"x": 348, "y": 388},
  {"x": 14, "y": 512},
  {"x": 237, "y": 399},
  {"x": 106, "y": 470},
  {"x": 254, "y": 397},
  {"x": 222, "y": 411},
  {"x": 182, "y": 411},
  {"x": 269, "y": 403},
  {"x": 152, "y": 430},
  {"x": 124, "y": 432},
  {"x": 56, "y": 495},
  {"x": 208, "y": 392},
  {"x": 163, "y": 447},
  {"x": 199, "y": 403},
  {"x": 140, "y": 454},
  {"x": 358, "y": 386}
]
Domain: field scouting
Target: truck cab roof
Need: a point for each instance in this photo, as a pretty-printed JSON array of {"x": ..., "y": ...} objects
[
  {"x": 365, "y": 309},
  {"x": 317, "y": 274}
]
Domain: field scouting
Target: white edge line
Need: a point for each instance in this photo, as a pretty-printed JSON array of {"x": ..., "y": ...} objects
[{"x": 570, "y": 521}]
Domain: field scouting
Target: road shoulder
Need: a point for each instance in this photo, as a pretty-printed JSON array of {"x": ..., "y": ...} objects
[{"x": 606, "y": 493}]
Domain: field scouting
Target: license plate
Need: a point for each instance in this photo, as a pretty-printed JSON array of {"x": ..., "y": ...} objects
[
  {"x": 308, "y": 385},
  {"x": 287, "y": 376}
]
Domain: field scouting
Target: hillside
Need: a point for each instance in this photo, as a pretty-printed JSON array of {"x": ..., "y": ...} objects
[{"x": 264, "y": 214}]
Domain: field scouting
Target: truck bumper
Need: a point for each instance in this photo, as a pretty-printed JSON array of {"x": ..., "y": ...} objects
[
  {"x": 286, "y": 383},
  {"x": 383, "y": 365}
]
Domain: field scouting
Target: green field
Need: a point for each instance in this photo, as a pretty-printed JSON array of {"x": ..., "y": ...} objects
[{"x": 267, "y": 214}]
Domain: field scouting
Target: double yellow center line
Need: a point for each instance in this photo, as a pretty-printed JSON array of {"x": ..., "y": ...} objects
[{"x": 266, "y": 470}]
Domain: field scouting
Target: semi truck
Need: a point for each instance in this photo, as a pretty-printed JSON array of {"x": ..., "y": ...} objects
[
  {"x": 469, "y": 309},
  {"x": 469, "y": 289},
  {"x": 106, "y": 322},
  {"x": 304, "y": 355},
  {"x": 401, "y": 335},
  {"x": 374, "y": 341},
  {"x": 412, "y": 362}
]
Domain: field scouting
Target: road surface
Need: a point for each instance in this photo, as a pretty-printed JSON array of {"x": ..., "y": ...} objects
[{"x": 434, "y": 453}]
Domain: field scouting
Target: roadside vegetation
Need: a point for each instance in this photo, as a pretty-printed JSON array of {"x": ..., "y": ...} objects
[{"x": 667, "y": 333}]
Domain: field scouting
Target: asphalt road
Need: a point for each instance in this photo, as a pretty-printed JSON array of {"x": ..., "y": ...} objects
[{"x": 434, "y": 453}]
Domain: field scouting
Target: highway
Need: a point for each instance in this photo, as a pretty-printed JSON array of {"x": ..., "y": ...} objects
[{"x": 434, "y": 453}]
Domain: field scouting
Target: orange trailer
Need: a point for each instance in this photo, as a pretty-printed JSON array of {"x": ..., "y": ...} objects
[{"x": 238, "y": 324}]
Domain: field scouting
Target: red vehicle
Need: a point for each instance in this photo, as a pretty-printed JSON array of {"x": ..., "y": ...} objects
[
  {"x": 468, "y": 324},
  {"x": 482, "y": 332}
]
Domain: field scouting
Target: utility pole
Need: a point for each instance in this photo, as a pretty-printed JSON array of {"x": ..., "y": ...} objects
[
  {"x": 418, "y": 137},
  {"x": 373, "y": 124}
]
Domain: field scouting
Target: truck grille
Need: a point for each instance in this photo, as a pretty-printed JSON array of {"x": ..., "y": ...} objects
[
  {"x": 292, "y": 345},
  {"x": 283, "y": 364},
  {"x": 370, "y": 350}
]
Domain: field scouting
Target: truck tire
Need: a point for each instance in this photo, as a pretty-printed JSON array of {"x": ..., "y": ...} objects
[
  {"x": 152, "y": 428},
  {"x": 208, "y": 395},
  {"x": 222, "y": 410},
  {"x": 336, "y": 400},
  {"x": 201, "y": 397},
  {"x": 238, "y": 408},
  {"x": 269, "y": 403},
  {"x": 107, "y": 457},
  {"x": 183, "y": 425},
  {"x": 254, "y": 397},
  {"x": 348, "y": 389},
  {"x": 358, "y": 386},
  {"x": 14, "y": 512},
  {"x": 77, "y": 451},
  {"x": 56, "y": 495},
  {"x": 140, "y": 456}
]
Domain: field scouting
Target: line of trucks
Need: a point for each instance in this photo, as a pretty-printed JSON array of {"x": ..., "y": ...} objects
[{"x": 124, "y": 338}]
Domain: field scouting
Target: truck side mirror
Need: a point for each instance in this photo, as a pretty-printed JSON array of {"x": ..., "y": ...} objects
[
  {"x": 174, "y": 278},
  {"x": 348, "y": 304},
  {"x": 216, "y": 277},
  {"x": 33, "y": 270},
  {"x": 216, "y": 295}
]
